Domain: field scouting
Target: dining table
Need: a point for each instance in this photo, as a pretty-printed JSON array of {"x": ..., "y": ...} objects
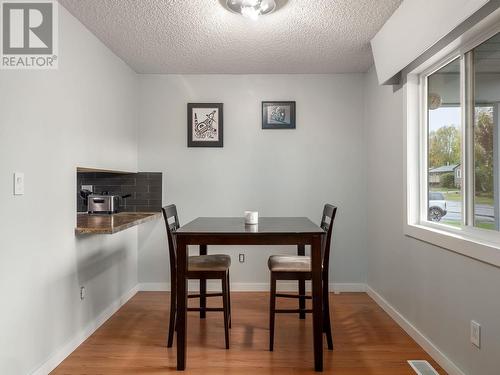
[{"x": 205, "y": 231}]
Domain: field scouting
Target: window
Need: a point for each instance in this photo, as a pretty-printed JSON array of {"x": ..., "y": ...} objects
[
  {"x": 462, "y": 158},
  {"x": 453, "y": 145}
]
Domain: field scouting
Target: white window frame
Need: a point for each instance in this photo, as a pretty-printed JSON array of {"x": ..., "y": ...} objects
[{"x": 473, "y": 242}]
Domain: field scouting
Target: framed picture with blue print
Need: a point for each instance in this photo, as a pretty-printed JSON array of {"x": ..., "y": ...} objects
[{"x": 278, "y": 115}]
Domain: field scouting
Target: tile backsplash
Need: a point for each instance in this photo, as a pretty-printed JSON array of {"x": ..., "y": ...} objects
[{"x": 145, "y": 189}]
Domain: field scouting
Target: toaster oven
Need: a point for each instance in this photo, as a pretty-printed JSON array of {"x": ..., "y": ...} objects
[{"x": 103, "y": 204}]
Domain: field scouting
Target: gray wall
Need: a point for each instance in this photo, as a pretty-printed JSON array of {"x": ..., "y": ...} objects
[
  {"x": 276, "y": 172},
  {"x": 48, "y": 124},
  {"x": 438, "y": 291}
]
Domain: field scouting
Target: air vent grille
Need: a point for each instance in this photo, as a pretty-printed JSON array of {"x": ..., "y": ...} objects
[{"x": 423, "y": 368}]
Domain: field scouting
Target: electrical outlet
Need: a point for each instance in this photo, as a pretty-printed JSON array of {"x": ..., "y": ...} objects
[
  {"x": 82, "y": 293},
  {"x": 88, "y": 187},
  {"x": 475, "y": 333},
  {"x": 242, "y": 258},
  {"x": 18, "y": 183}
]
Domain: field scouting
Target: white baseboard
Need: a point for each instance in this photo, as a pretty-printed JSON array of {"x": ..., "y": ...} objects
[
  {"x": 81, "y": 336},
  {"x": 415, "y": 334},
  {"x": 348, "y": 287},
  {"x": 283, "y": 286}
]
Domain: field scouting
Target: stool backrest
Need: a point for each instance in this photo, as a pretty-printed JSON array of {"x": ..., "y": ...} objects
[
  {"x": 172, "y": 224},
  {"x": 327, "y": 219}
]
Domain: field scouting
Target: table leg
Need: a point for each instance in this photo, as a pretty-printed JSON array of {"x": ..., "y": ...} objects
[
  {"x": 182, "y": 254},
  {"x": 301, "y": 250},
  {"x": 203, "y": 288},
  {"x": 317, "y": 302}
]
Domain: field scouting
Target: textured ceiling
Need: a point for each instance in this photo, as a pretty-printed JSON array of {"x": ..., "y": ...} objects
[{"x": 200, "y": 36}]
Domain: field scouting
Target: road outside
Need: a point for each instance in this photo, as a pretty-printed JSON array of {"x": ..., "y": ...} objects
[{"x": 484, "y": 214}]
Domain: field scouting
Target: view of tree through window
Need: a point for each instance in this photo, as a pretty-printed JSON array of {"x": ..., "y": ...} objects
[
  {"x": 486, "y": 71},
  {"x": 445, "y": 145},
  {"x": 484, "y": 215}
]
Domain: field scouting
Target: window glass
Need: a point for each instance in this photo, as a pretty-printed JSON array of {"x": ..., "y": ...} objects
[
  {"x": 444, "y": 145},
  {"x": 433, "y": 196},
  {"x": 486, "y": 71}
]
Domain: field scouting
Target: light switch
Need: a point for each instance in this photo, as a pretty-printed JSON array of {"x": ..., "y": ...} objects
[
  {"x": 18, "y": 183},
  {"x": 475, "y": 333}
]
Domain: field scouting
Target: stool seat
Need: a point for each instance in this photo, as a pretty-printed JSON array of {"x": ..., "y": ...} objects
[
  {"x": 289, "y": 263},
  {"x": 212, "y": 262}
]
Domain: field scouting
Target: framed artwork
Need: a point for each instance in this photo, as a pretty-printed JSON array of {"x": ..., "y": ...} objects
[
  {"x": 205, "y": 125},
  {"x": 278, "y": 115}
]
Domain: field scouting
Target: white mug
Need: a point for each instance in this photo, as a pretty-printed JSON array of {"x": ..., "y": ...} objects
[{"x": 251, "y": 217}]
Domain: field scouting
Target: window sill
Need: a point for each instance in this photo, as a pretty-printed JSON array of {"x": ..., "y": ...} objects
[{"x": 471, "y": 245}]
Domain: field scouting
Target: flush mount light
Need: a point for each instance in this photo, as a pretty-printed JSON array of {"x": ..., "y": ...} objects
[{"x": 251, "y": 8}]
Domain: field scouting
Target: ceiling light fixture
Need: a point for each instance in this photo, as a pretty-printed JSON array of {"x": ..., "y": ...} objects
[{"x": 251, "y": 8}]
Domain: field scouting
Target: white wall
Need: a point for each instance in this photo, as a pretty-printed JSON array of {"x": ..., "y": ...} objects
[
  {"x": 415, "y": 27},
  {"x": 438, "y": 291},
  {"x": 277, "y": 172},
  {"x": 50, "y": 122}
]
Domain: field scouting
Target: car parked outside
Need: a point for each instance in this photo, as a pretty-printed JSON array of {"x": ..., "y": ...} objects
[{"x": 437, "y": 206}]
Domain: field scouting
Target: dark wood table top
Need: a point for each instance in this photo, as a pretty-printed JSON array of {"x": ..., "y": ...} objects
[{"x": 236, "y": 225}]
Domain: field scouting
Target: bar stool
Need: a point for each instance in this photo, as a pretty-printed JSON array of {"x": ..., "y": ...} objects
[
  {"x": 202, "y": 267},
  {"x": 286, "y": 267}
]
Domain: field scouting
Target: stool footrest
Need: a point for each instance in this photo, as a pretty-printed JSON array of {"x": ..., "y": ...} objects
[
  {"x": 286, "y": 295},
  {"x": 293, "y": 311},
  {"x": 206, "y": 295},
  {"x": 208, "y": 309}
]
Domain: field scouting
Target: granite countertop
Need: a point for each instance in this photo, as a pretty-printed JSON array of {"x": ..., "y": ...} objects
[{"x": 109, "y": 224}]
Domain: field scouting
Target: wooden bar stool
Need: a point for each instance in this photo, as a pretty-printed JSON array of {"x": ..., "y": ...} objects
[
  {"x": 202, "y": 267},
  {"x": 298, "y": 267}
]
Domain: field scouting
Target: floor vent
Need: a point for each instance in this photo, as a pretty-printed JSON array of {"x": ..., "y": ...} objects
[{"x": 423, "y": 368}]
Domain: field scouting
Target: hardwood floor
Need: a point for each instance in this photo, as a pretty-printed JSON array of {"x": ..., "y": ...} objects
[{"x": 366, "y": 341}]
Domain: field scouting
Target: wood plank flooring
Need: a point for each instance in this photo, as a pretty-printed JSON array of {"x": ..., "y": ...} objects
[{"x": 366, "y": 341}]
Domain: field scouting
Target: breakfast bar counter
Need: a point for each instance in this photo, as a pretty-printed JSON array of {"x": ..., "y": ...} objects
[{"x": 109, "y": 224}]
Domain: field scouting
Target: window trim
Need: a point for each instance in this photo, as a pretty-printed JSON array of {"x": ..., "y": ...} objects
[{"x": 477, "y": 243}]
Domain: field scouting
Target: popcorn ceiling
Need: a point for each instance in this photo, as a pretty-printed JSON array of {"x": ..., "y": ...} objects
[{"x": 201, "y": 37}]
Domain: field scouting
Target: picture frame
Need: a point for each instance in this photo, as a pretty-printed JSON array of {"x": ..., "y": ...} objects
[
  {"x": 278, "y": 115},
  {"x": 205, "y": 125}
]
